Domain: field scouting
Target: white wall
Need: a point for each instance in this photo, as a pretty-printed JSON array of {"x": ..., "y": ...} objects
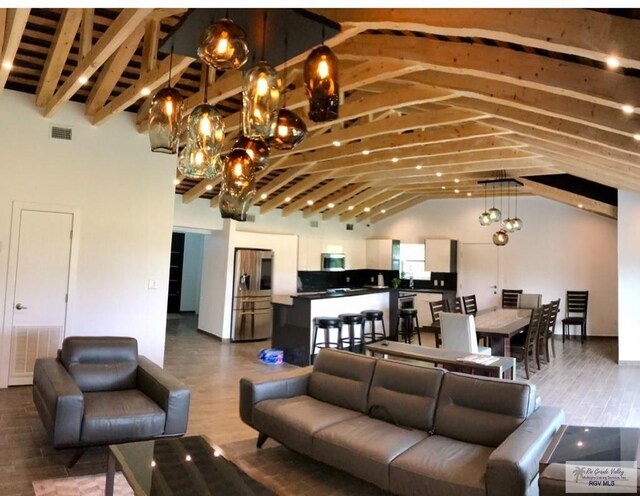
[
  {"x": 628, "y": 277},
  {"x": 197, "y": 215},
  {"x": 124, "y": 194},
  {"x": 560, "y": 248},
  {"x": 191, "y": 272},
  {"x": 214, "y": 287}
]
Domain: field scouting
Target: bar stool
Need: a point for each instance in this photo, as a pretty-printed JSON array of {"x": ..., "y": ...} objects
[
  {"x": 370, "y": 335},
  {"x": 408, "y": 325},
  {"x": 325, "y": 323},
  {"x": 351, "y": 320}
]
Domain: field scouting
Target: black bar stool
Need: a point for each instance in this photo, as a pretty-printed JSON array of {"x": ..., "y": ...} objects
[
  {"x": 351, "y": 320},
  {"x": 325, "y": 323},
  {"x": 408, "y": 325},
  {"x": 370, "y": 335}
]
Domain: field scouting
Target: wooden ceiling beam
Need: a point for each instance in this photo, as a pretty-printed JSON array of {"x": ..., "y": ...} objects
[
  {"x": 16, "y": 20},
  {"x": 502, "y": 64},
  {"x": 150, "y": 45},
  {"x": 369, "y": 204},
  {"x": 387, "y": 205},
  {"x": 150, "y": 80},
  {"x": 86, "y": 32},
  {"x": 119, "y": 30},
  {"x": 293, "y": 191},
  {"x": 315, "y": 195},
  {"x": 3, "y": 25},
  {"x": 409, "y": 201},
  {"x": 62, "y": 41},
  {"x": 557, "y": 30},
  {"x": 352, "y": 202},
  {"x": 283, "y": 179},
  {"x": 335, "y": 198},
  {"x": 200, "y": 189},
  {"x": 571, "y": 199}
]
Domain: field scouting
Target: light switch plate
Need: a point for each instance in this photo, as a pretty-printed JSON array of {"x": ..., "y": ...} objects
[{"x": 153, "y": 284}]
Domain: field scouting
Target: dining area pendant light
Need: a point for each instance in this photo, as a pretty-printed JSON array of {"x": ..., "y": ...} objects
[
  {"x": 260, "y": 97},
  {"x": 322, "y": 83},
  {"x": 165, "y": 117},
  {"x": 290, "y": 128},
  {"x": 238, "y": 185},
  {"x": 494, "y": 213},
  {"x": 257, "y": 150},
  {"x": 485, "y": 218},
  {"x": 507, "y": 224},
  {"x": 223, "y": 45},
  {"x": 517, "y": 221},
  {"x": 500, "y": 237}
]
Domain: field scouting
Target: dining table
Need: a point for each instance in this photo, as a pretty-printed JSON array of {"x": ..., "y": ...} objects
[{"x": 500, "y": 325}]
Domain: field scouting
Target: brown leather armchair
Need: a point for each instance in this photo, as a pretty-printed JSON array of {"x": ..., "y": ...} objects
[{"x": 98, "y": 391}]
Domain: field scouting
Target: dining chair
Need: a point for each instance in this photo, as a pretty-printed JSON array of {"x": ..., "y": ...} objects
[
  {"x": 527, "y": 300},
  {"x": 510, "y": 298},
  {"x": 576, "y": 313},
  {"x": 545, "y": 322},
  {"x": 453, "y": 305},
  {"x": 436, "y": 307},
  {"x": 523, "y": 345},
  {"x": 555, "y": 309},
  {"x": 459, "y": 333},
  {"x": 470, "y": 305}
]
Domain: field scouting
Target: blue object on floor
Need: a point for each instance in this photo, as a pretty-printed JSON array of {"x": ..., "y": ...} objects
[{"x": 271, "y": 356}]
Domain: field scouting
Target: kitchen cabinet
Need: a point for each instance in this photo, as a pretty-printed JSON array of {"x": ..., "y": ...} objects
[
  {"x": 310, "y": 250},
  {"x": 383, "y": 254},
  {"x": 441, "y": 255}
]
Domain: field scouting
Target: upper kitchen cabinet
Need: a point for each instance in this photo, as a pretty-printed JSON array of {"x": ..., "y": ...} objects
[
  {"x": 383, "y": 254},
  {"x": 441, "y": 255},
  {"x": 310, "y": 250}
]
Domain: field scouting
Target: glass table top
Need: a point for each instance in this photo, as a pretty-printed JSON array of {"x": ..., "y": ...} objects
[
  {"x": 583, "y": 443},
  {"x": 186, "y": 466}
]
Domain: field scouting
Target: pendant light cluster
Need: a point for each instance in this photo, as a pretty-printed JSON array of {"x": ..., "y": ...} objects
[
  {"x": 264, "y": 122},
  {"x": 494, "y": 215}
]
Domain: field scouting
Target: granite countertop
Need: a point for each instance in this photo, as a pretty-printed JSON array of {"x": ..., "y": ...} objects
[
  {"x": 319, "y": 295},
  {"x": 431, "y": 290}
]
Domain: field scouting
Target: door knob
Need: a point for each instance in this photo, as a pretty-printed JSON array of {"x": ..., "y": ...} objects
[{"x": 20, "y": 306}]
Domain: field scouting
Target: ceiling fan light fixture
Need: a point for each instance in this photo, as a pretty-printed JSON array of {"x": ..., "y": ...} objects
[{"x": 223, "y": 45}]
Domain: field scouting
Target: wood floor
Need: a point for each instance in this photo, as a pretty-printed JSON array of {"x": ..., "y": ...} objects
[{"x": 584, "y": 379}]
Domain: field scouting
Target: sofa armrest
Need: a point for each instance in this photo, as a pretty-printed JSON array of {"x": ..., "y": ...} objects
[
  {"x": 513, "y": 466},
  {"x": 281, "y": 385},
  {"x": 168, "y": 392},
  {"x": 59, "y": 401}
]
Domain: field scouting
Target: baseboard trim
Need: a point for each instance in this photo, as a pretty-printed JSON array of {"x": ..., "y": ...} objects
[
  {"x": 629, "y": 363},
  {"x": 211, "y": 335}
]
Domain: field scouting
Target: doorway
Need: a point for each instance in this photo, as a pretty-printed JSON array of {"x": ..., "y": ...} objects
[
  {"x": 37, "y": 287},
  {"x": 185, "y": 274},
  {"x": 479, "y": 273}
]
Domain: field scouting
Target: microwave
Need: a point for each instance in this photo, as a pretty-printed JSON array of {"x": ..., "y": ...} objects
[{"x": 332, "y": 262}]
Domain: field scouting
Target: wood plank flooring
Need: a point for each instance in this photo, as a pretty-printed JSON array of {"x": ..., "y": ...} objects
[{"x": 584, "y": 379}]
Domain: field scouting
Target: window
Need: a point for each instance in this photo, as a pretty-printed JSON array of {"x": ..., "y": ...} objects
[{"x": 412, "y": 261}]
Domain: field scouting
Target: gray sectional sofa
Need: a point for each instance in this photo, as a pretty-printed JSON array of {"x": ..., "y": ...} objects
[{"x": 408, "y": 429}]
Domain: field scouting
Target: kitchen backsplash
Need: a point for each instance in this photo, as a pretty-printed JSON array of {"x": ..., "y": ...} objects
[
  {"x": 312, "y": 280},
  {"x": 444, "y": 280}
]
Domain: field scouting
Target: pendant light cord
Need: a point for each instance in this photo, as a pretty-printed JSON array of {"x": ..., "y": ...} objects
[
  {"x": 485, "y": 197},
  {"x": 170, "y": 65},
  {"x": 284, "y": 89},
  {"x": 206, "y": 83},
  {"x": 264, "y": 31},
  {"x": 516, "y": 201}
]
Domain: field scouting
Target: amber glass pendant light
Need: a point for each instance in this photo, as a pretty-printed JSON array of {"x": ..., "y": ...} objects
[
  {"x": 260, "y": 97},
  {"x": 500, "y": 238},
  {"x": 165, "y": 117},
  {"x": 238, "y": 185},
  {"x": 321, "y": 82},
  {"x": 223, "y": 45},
  {"x": 257, "y": 149}
]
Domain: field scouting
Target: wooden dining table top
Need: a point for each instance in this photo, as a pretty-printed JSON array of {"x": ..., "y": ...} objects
[{"x": 502, "y": 321}]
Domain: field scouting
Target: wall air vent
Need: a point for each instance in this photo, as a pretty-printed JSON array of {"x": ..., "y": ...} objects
[
  {"x": 314, "y": 223},
  {"x": 349, "y": 227},
  {"x": 251, "y": 218},
  {"x": 59, "y": 132}
]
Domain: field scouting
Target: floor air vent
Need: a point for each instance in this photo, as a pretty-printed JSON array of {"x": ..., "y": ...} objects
[{"x": 59, "y": 132}]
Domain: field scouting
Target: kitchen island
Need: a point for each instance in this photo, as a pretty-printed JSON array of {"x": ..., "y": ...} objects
[{"x": 293, "y": 316}]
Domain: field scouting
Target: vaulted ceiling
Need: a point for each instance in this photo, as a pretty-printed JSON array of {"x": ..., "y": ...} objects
[{"x": 434, "y": 100}]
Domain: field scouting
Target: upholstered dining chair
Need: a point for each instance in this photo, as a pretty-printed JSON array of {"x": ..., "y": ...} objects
[
  {"x": 527, "y": 300},
  {"x": 99, "y": 391},
  {"x": 459, "y": 333}
]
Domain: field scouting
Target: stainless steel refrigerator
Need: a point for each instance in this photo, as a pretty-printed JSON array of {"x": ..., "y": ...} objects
[{"x": 251, "y": 316}]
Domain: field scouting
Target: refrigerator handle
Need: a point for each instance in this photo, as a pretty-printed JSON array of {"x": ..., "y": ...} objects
[{"x": 258, "y": 272}]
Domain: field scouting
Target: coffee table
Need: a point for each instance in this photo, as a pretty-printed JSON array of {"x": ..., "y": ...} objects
[{"x": 186, "y": 466}]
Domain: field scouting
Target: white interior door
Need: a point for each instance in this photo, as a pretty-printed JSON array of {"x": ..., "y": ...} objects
[
  {"x": 39, "y": 307},
  {"x": 479, "y": 273}
]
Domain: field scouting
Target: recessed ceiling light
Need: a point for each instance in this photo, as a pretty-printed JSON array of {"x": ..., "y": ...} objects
[
  {"x": 580, "y": 205},
  {"x": 208, "y": 187},
  {"x": 394, "y": 159},
  {"x": 627, "y": 109},
  {"x": 636, "y": 137},
  {"x": 350, "y": 207},
  {"x": 439, "y": 174},
  {"x": 264, "y": 196},
  {"x": 457, "y": 190},
  {"x": 82, "y": 80},
  {"x": 309, "y": 202},
  {"x": 176, "y": 181},
  {"x": 468, "y": 194},
  {"x": 7, "y": 65},
  {"x": 456, "y": 180},
  {"x": 153, "y": 463},
  {"x": 145, "y": 91},
  {"x": 367, "y": 209},
  {"x": 336, "y": 143},
  {"x": 188, "y": 458},
  {"x": 418, "y": 167},
  {"x": 331, "y": 205},
  {"x": 383, "y": 211},
  {"x": 365, "y": 152},
  {"x": 579, "y": 443},
  {"x": 287, "y": 199},
  {"x": 443, "y": 187},
  {"x": 613, "y": 62}
]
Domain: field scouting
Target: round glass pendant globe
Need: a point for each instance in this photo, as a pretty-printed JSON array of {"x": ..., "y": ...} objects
[
  {"x": 290, "y": 131},
  {"x": 495, "y": 215},
  {"x": 257, "y": 149},
  {"x": 484, "y": 219},
  {"x": 223, "y": 45},
  {"x": 517, "y": 224},
  {"x": 508, "y": 226},
  {"x": 500, "y": 238}
]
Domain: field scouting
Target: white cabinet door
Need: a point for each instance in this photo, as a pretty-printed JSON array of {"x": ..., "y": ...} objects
[
  {"x": 372, "y": 253},
  {"x": 437, "y": 255},
  {"x": 379, "y": 254}
]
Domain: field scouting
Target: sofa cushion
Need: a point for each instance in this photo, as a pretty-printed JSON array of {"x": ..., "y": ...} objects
[
  {"x": 405, "y": 394},
  {"x": 482, "y": 410},
  {"x": 293, "y": 421},
  {"x": 120, "y": 416},
  {"x": 364, "y": 447},
  {"x": 101, "y": 363},
  {"x": 439, "y": 466},
  {"x": 342, "y": 378}
]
